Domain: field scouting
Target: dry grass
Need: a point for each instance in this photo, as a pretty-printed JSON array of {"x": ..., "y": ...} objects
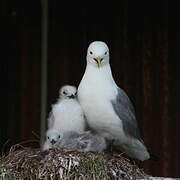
[{"x": 24, "y": 163}]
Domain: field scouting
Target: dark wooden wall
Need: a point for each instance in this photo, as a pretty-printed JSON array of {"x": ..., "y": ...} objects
[
  {"x": 137, "y": 35},
  {"x": 20, "y": 70}
]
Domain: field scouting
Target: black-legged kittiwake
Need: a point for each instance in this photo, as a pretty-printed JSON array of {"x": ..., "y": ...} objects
[
  {"x": 52, "y": 138},
  {"x": 107, "y": 108},
  {"x": 67, "y": 114},
  {"x": 82, "y": 142}
]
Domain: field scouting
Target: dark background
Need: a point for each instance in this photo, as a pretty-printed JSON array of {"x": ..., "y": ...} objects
[{"x": 137, "y": 35}]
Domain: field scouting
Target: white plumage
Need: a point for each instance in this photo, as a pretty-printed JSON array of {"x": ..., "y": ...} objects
[
  {"x": 67, "y": 114},
  {"x": 52, "y": 138},
  {"x": 108, "y": 110}
]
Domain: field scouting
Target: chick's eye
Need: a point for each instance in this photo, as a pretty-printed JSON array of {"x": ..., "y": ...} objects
[
  {"x": 64, "y": 92},
  {"x": 48, "y": 137},
  {"x": 105, "y": 53},
  {"x": 59, "y": 136},
  {"x": 91, "y": 52}
]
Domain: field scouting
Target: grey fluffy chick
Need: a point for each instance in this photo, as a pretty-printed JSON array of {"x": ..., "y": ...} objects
[
  {"x": 52, "y": 138},
  {"x": 82, "y": 142}
]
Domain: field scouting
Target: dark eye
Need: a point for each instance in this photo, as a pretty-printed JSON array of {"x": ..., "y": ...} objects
[
  {"x": 91, "y": 52},
  {"x": 64, "y": 92},
  {"x": 105, "y": 53},
  {"x": 48, "y": 137},
  {"x": 59, "y": 136}
]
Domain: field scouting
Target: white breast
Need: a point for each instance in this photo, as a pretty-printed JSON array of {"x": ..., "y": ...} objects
[
  {"x": 95, "y": 93},
  {"x": 68, "y": 116}
]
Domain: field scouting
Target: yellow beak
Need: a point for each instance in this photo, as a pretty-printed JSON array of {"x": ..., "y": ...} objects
[{"x": 98, "y": 61}]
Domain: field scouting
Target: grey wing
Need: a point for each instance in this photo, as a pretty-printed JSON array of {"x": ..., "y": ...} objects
[{"x": 125, "y": 111}]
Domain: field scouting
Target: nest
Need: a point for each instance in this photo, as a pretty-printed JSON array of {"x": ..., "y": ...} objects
[{"x": 23, "y": 163}]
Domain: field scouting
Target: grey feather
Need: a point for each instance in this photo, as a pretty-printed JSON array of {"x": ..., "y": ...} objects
[
  {"x": 93, "y": 142},
  {"x": 125, "y": 111},
  {"x": 83, "y": 142}
]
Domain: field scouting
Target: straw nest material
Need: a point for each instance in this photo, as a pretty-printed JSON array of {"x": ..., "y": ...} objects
[{"x": 22, "y": 163}]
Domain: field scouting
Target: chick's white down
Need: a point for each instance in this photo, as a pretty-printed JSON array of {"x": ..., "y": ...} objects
[{"x": 67, "y": 114}]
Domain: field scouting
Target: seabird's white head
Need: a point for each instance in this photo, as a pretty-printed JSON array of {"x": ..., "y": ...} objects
[
  {"x": 68, "y": 92},
  {"x": 98, "y": 54}
]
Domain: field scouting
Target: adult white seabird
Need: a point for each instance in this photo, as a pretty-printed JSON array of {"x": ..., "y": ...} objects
[
  {"x": 108, "y": 110},
  {"x": 67, "y": 114}
]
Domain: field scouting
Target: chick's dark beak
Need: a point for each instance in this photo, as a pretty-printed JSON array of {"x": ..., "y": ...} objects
[
  {"x": 53, "y": 141},
  {"x": 71, "y": 96}
]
